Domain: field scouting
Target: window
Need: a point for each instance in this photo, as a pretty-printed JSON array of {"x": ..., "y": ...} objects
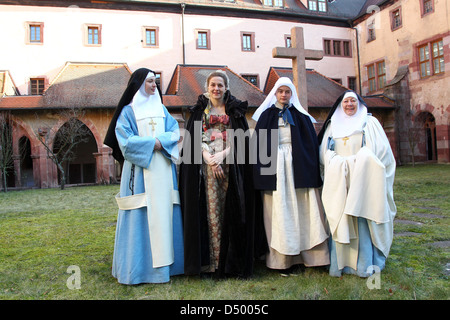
[
  {"x": 424, "y": 61},
  {"x": 287, "y": 41},
  {"x": 35, "y": 33},
  {"x": 371, "y": 76},
  {"x": 346, "y": 49},
  {"x": 248, "y": 41},
  {"x": 438, "y": 56},
  {"x": 430, "y": 64},
  {"x": 371, "y": 31},
  {"x": 327, "y": 47},
  {"x": 376, "y": 74},
  {"x": 158, "y": 79},
  {"x": 151, "y": 37},
  {"x": 381, "y": 74},
  {"x": 352, "y": 83},
  {"x": 203, "y": 39},
  {"x": 337, "y": 47},
  {"x": 396, "y": 19},
  {"x": 317, "y": 5},
  {"x": 426, "y": 7},
  {"x": 252, "y": 78},
  {"x": 37, "y": 86},
  {"x": 93, "y": 35},
  {"x": 322, "y": 5},
  {"x": 274, "y": 3}
]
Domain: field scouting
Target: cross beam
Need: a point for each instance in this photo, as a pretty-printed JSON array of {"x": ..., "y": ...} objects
[{"x": 299, "y": 55}]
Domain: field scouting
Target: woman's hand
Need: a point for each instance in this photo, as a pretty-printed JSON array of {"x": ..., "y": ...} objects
[
  {"x": 218, "y": 172},
  {"x": 158, "y": 145},
  {"x": 207, "y": 157},
  {"x": 213, "y": 162},
  {"x": 218, "y": 157}
]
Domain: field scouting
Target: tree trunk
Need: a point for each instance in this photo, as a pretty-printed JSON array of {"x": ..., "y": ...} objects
[
  {"x": 4, "y": 180},
  {"x": 63, "y": 176}
]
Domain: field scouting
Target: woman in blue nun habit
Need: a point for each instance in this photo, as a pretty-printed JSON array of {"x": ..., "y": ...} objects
[{"x": 143, "y": 135}]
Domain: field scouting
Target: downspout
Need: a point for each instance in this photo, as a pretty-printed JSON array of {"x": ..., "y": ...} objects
[
  {"x": 357, "y": 56},
  {"x": 183, "y": 6}
]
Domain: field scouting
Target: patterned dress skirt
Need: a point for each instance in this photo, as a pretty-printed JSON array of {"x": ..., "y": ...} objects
[
  {"x": 214, "y": 141},
  {"x": 216, "y": 191}
]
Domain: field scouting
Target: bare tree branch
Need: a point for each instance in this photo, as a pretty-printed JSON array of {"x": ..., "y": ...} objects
[
  {"x": 60, "y": 144},
  {"x": 6, "y": 147}
]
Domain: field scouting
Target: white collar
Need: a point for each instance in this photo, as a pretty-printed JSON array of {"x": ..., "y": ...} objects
[
  {"x": 343, "y": 125},
  {"x": 146, "y": 105}
]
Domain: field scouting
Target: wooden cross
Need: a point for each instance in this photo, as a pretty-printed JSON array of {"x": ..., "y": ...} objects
[
  {"x": 299, "y": 55},
  {"x": 152, "y": 123}
]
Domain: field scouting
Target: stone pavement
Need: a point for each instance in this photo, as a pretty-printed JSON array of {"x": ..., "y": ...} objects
[{"x": 438, "y": 244}]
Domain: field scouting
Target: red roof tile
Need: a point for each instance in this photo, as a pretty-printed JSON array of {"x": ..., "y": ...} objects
[
  {"x": 322, "y": 91},
  {"x": 21, "y": 102},
  {"x": 188, "y": 82},
  {"x": 101, "y": 85}
]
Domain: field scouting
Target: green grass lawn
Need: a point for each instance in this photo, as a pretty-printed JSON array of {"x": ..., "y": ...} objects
[{"x": 44, "y": 232}]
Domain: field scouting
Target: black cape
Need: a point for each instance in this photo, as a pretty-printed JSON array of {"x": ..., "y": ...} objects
[
  {"x": 243, "y": 236},
  {"x": 135, "y": 82},
  {"x": 305, "y": 150},
  {"x": 333, "y": 109}
]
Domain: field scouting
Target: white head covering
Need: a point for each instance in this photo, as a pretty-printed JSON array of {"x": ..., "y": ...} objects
[
  {"x": 343, "y": 125},
  {"x": 271, "y": 99},
  {"x": 147, "y": 105}
]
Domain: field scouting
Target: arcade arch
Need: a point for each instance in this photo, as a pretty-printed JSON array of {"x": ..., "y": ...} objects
[
  {"x": 426, "y": 140},
  {"x": 80, "y": 167}
]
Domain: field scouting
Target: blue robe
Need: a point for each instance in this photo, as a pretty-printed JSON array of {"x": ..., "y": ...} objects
[{"x": 132, "y": 261}]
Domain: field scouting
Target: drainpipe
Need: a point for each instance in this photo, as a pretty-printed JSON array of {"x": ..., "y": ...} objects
[
  {"x": 357, "y": 56},
  {"x": 183, "y": 6}
]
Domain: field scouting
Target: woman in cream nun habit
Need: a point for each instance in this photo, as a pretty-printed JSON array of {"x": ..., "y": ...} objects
[
  {"x": 149, "y": 240},
  {"x": 293, "y": 216},
  {"x": 358, "y": 169}
]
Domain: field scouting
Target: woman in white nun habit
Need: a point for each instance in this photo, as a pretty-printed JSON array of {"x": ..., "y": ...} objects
[
  {"x": 143, "y": 135},
  {"x": 358, "y": 169},
  {"x": 293, "y": 216}
]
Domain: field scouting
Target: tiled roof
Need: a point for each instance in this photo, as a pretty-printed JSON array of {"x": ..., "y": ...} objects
[
  {"x": 369, "y": 6},
  {"x": 322, "y": 91},
  {"x": 88, "y": 85},
  {"x": 78, "y": 85},
  {"x": 21, "y": 102},
  {"x": 338, "y": 10},
  {"x": 101, "y": 86},
  {"x": 345, "y": 8},
  {"x": 379, "y": 101},
  {"x": 188, "y": 82}
]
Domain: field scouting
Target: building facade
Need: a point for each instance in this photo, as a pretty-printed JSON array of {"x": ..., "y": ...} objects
[
  {"x": 63, "y": 55},
  {"x": 404, "y": 51}
]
